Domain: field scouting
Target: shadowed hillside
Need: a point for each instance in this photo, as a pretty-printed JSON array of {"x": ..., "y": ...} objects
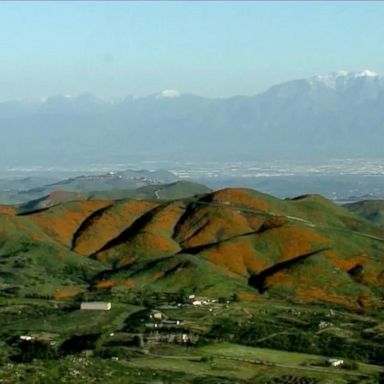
[
  {"x": 230, "y": 241},
  {"x": 372, "y": 210}
]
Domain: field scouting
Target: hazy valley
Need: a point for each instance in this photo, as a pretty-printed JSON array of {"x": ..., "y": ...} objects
[{"x": 209, "y": 257}]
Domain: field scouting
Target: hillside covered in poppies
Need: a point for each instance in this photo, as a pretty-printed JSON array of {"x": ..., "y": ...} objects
[{"x": 233, "y": 241}]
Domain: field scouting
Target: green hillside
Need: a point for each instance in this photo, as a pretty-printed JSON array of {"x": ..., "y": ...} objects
[
  {"x": 22, "y": 190},
  {"x": 372, "y": 210},
  {"x": 230, "y": 241},
  {"x": 176, "y": 190}
]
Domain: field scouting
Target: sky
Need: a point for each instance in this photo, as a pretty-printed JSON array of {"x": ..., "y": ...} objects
[{"x": 213, "y": 49}]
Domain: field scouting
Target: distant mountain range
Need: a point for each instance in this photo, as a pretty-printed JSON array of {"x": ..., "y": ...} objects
[{"x": 337, "y": 115}]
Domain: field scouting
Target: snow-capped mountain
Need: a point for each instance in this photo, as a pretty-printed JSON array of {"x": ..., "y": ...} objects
[
  {"x": 169, "y": 93},
  {"x": 339, "y": 114},
  {"x": 341, "y": 79}
]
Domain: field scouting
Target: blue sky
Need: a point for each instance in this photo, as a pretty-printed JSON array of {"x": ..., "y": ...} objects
[{"x": 214, "y": 49}]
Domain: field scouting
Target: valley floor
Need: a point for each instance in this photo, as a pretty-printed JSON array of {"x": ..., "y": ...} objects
[{"x": 68, "y": 345}]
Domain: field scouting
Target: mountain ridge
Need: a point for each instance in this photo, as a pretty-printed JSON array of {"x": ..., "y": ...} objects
[
  {"x": 329, "y": 79},
  {"x": 293, "y": 120}
]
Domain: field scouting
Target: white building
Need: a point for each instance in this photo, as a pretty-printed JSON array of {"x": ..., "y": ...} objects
[
  {"x": 26, "y": 337},
  {"x": 156, "y": 315},
  {"x": 95, "y": 306},
  {"x": 335, "y": 362}
]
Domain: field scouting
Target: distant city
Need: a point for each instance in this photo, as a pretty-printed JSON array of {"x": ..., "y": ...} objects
[{"x": 338, "y": 179}]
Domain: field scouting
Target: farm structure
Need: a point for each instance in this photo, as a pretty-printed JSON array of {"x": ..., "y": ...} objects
[{"x": 95, "y": 306}]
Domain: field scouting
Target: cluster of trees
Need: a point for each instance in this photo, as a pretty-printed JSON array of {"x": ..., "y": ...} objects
[
  {"x": 24, "y": 351},
  {"x": 35, "y": 295},
  {"x": 29, "y": 350}
]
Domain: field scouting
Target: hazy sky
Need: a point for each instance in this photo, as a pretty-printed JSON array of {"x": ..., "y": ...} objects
[{"x": 209, "y": 48}]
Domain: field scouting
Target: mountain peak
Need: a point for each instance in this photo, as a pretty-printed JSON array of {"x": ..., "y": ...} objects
[
  {"x": 333, "y": 79},
  {"x": 168, "y": 93},
  {"x": 366, "y": 73}
]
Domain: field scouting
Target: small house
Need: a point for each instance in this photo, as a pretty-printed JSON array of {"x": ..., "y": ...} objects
[
  {"x": 335, "y": 362},
  {"x": 26, "y": 337},
  {"x": 156, "y": 315},
  {"x": 184, "y": 338},
  {"x": 324, "y": 324},
  {"x": 95, "y": 306}
]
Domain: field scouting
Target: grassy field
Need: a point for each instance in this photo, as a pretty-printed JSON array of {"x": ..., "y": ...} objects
[
  {"x": 237, "y": 362},
  {"x": 75, "y": 321},
  {"x": 262, "y": 354}
]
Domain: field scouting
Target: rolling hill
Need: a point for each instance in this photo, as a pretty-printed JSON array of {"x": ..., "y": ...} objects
[
  {"x": 304, "y": 250},
  {"x": 175, "y": 190},
  {"x": 17, "y": 191},
  {"x": 372, "y": 210}
]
